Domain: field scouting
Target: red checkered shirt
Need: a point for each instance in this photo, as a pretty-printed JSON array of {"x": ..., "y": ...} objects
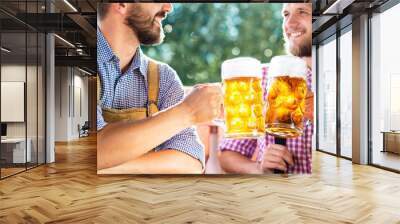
[{"x": 300, "y": 147}]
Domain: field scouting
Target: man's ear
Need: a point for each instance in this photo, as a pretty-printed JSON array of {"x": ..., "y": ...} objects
[{"x": 120, "y": 8}]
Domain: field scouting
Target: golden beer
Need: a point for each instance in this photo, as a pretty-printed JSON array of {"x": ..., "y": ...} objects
[
  {"x": 286, "y": 94},
  {"x": 243, "y": 98}
]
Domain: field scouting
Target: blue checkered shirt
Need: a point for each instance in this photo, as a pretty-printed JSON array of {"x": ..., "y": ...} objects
[{"x": 129, "y": 90}]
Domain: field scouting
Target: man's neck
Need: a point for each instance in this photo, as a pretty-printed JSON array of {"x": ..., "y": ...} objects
[
  {"x": 308, "y": 61},
  {"x": 122, "y": 40}
]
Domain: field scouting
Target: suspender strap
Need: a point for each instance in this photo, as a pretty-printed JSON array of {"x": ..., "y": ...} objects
[
  {"x": 153, "y": 79},
  {"x": 98, "y": 87},
  {"x": 153, "y": 83}
]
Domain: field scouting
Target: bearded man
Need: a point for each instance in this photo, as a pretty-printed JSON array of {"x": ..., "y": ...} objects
[
  {"x": 263, "y": 155},
  {"x": 144, "y": 121}
]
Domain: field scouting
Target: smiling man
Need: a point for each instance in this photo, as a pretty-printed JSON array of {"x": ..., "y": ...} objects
[
  {"x": 144, "y": 122},
  {"x": 297, "y": 29},
  {"x": 262, "y": 155}
]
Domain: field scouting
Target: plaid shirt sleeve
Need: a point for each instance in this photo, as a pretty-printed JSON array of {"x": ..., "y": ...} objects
[
  {"x": 100, "y": 120},
  {"x": 245, "y": 147},
  {"x": 187, "y": 141}
]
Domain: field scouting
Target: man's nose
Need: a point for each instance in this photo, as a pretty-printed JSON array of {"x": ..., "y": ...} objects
[
  {"x": 167, "y": 7},
  {"x": 291, "y": 21}
]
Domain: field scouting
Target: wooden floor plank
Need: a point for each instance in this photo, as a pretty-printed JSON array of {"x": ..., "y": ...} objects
[{"x": 70, "y": 191}]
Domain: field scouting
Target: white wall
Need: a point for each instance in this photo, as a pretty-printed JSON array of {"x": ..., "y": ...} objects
[
  {"x": 13, "y": 73},
  {"x": 71, "y": 93},
  {"x": 80, "y": 110},
  {"x": 61, "y": 103},
  {"x": 34, "y": 125}
]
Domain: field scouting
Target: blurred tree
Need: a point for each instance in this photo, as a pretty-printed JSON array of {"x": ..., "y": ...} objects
[{"x": 200, "y": 36}]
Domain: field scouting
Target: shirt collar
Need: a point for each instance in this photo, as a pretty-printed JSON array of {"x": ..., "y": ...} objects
[
  {"x": 104, "y": 51},
  {"x": 140, "y": 61}
]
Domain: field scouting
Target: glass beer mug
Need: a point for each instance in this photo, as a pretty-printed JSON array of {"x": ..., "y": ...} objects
[
  {"x": 243, "y": 98},
  {"x": 286, "y": 92}
]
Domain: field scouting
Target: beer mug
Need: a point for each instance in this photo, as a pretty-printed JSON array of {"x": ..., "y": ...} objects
[
  {"x": 243, "y": 98},
  {"x": 286, "y": 92}
]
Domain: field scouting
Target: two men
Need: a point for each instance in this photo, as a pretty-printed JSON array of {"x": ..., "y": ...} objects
[
  {"x": 262, "y": 155},
  {"x": 144, "y": 122}
]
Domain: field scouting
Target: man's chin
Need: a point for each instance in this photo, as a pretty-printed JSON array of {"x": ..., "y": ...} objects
[
  {"x": 154, "y": 38},
  {"x": 151, "y": 42},
  {"x": 300, "y": 50},
  {"x": 296, "y": 43}
]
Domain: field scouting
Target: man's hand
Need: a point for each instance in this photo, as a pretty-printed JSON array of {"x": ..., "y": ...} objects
[
  {"x": 203, "y": 103},
  {"x": 309, "y": 104},
  {"x": 276, "y": 157}
]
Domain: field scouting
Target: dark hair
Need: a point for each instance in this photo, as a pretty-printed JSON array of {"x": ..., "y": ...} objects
[{"x": 102, "y": 10}]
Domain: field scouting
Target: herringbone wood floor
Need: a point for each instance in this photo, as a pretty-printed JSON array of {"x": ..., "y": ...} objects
[{"x": 69, "y": 191}]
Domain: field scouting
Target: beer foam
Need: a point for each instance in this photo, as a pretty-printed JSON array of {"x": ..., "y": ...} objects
[
  {"x": 287, "y": 65},
  {"x": 241, "y": 67}
]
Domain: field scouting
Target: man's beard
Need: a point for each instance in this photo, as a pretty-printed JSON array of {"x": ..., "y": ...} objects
[
  {"x": 144, "y": 26},
  {"x": 303, "y": 49}
]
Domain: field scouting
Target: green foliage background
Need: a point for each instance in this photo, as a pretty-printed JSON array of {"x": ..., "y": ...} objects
[{"x": 203, "y": 35}]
